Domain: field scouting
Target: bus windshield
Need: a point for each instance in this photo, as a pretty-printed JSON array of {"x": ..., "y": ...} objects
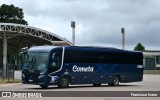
[{"x": 36, "y": 61}]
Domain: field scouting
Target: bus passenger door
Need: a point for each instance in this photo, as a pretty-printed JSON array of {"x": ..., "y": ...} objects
[{"x": 55, "y": 62}]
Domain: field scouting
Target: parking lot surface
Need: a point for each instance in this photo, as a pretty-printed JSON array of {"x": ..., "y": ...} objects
[{"x": 149, "y": 83}]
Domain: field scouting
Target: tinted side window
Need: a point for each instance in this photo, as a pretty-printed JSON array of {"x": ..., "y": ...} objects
[
  {"x": 79, "y": 57},
  {"x": 55, "y": 61},
  {"x": 72, "y": 56}
]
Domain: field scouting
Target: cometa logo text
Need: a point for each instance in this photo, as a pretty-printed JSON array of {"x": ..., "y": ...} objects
[{"x": 82, "y": 69}]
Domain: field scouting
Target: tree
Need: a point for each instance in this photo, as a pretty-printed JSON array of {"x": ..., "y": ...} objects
[
  {"x": 12, "y": 14},
  {"x": 139, "y": 47}
]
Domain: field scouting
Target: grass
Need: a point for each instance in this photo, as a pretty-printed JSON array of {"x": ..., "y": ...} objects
[{"x": 5, "y": 81}]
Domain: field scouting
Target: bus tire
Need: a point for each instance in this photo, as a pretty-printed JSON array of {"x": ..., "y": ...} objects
[
  {"x": 115, "y": 81},
  {"x": 44, "y": 86},
  {"x": 96, "y": 85},
  {"x": 63, "y": 82}
]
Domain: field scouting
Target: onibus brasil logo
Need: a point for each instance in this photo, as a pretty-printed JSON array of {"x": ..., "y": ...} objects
[{"x": 21, "y": 94}]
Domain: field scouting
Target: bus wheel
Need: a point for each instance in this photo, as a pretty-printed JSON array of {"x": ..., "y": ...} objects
[
  {"x": 63, "y": 82},
  {"x": 44, "y": 86},
  {"x": 96, "y": 85},
  {"x": 115, "y": 81}
]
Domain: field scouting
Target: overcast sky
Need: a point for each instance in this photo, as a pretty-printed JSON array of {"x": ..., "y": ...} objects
[{"x": 98, "y": 22}]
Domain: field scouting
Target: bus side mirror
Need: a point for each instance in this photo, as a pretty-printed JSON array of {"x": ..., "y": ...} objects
[{"x": 21, "y": 56}]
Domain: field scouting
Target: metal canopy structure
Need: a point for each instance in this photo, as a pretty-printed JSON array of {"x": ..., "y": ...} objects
[
  {"x": 18, "y": 29},
  {"x": 13, "y": 37}
]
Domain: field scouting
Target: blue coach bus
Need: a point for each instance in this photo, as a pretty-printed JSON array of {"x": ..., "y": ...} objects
[{"x": 58, "y": 65}]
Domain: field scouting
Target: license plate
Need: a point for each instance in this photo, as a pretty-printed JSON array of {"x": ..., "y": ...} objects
[{"x": 30, "y": 80}]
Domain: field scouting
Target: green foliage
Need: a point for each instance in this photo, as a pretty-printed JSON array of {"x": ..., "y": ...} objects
[
  {"x": 11, "y": 14},
  {"x": 139, "y": 47}
]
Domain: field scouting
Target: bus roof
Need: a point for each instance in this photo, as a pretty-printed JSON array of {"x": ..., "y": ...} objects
[
  {"x": 101, "y": 49},
  {"x": 47, "y": 48}
]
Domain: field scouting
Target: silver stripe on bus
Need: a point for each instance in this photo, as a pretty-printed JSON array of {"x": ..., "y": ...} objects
[{"x": 61, "y": 62}]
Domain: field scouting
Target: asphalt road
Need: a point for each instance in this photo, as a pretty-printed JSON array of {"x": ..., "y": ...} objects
[{"x": 149, "y": 83}]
